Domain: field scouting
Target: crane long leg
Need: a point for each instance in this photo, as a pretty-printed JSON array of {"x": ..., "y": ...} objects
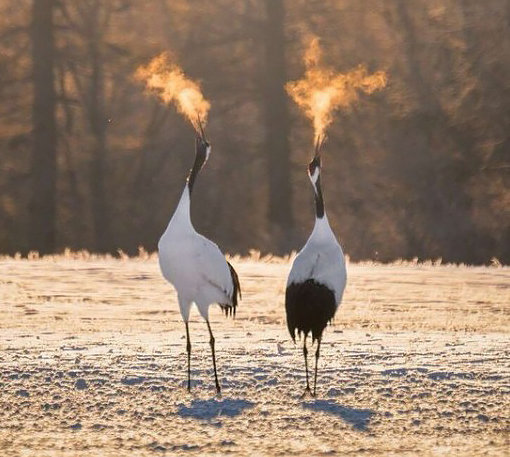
[
  {"x": 211, "y": 342},
  {"x": 305, "y": 353},
  {"x": 317, "y": 353},
  {"x": 188, "y": 348}
]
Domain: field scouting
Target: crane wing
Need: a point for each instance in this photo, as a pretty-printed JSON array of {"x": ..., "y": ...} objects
[
  {"x": 216, "y": 273},
  {"x": 326, "y": 266},
  {"x": 303, "y": 267}
]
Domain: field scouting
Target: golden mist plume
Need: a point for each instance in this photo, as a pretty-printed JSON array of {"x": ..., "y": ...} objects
[
  {"x": 322, "y": 91},
  {"x": 168, "y": 80}
]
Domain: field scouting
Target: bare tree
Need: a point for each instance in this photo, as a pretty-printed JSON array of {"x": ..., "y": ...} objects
[
  {"x": 88, "y": 22},
  {"x": 98, "y": 22},
  {"x": 277, "y": 126},
  {"x": 43, "y": 203}
]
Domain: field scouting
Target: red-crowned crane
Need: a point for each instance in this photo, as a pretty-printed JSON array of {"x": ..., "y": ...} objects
[
  {"x": 194, "y": 265},
  {"x": 317, "y": 278}
]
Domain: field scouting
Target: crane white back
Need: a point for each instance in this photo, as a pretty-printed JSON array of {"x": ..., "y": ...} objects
[
  {"x": 194, "y": 265},
  {"x": 317, "y": 279}
]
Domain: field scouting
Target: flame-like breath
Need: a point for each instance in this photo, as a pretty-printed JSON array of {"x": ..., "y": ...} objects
[
  {"x": 168, "y": 80},
  {"x": 322, "y": 91}
]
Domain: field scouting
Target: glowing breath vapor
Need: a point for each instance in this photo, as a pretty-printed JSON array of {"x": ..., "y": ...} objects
[
  {"x": 322, "y": 91},
  {"x": 168, "y": 80}
]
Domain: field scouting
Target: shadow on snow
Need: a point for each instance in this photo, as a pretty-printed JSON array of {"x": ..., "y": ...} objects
[
  {"x": 358, "y": 418},
  {"x": 214, "y": 408}
]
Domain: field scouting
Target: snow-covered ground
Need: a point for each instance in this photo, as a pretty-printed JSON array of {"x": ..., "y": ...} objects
[{"x": 93, "y": 363}]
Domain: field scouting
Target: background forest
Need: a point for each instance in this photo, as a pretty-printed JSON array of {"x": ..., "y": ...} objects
[{"x": 420, "y": 169}]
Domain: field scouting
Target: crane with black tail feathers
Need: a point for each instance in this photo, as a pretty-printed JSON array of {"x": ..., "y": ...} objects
[
  {"x": 317, "y": 278},
  {"x": 194, "y": 265}
]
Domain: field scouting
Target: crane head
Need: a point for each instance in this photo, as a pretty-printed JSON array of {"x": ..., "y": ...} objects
[
  {"x": 314, "y": 167},
  {"x": 202, "y": 149},
  {"x": 202, "y": 146}
]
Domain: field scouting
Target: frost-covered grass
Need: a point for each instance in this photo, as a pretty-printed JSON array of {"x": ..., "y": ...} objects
[{"x": 92, "y": 362}]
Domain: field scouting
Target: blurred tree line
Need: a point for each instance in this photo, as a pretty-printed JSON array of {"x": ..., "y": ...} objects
[{"x": 90, "y": 160}]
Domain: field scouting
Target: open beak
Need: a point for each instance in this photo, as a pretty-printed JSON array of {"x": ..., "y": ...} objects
[
  {"x": 318, "y": 145},
  {"x": 201, "y": 132}
]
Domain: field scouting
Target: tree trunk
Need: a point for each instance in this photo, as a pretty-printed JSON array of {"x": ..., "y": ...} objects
[
  {"x": 276, "y": 120},
  {"x": 98, "y": 124},
  {"x": 443, "y": 195},
  {"x": 42, "y": 216}
]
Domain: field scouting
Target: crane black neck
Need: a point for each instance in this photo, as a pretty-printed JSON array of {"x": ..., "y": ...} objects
[
  {"x": 314, "y": 172},
  {"x": 319, "y": 201},
  {"x": 200, "y": 158}
]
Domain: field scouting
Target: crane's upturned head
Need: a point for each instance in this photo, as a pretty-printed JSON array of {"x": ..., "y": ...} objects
[{"x": 314, "y": 169}]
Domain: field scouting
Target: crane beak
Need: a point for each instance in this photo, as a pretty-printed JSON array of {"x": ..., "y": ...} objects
[
  {"x": 201, "y": 129},
  {"x": 318, "y": 145},
  {"x": 315, "y": 163}
]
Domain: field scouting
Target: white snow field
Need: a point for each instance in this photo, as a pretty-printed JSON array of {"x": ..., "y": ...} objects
[{"x": 93, "y": 363}]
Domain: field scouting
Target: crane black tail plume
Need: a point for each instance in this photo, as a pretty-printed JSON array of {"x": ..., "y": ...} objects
[{"x": 230, "y": 310}]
